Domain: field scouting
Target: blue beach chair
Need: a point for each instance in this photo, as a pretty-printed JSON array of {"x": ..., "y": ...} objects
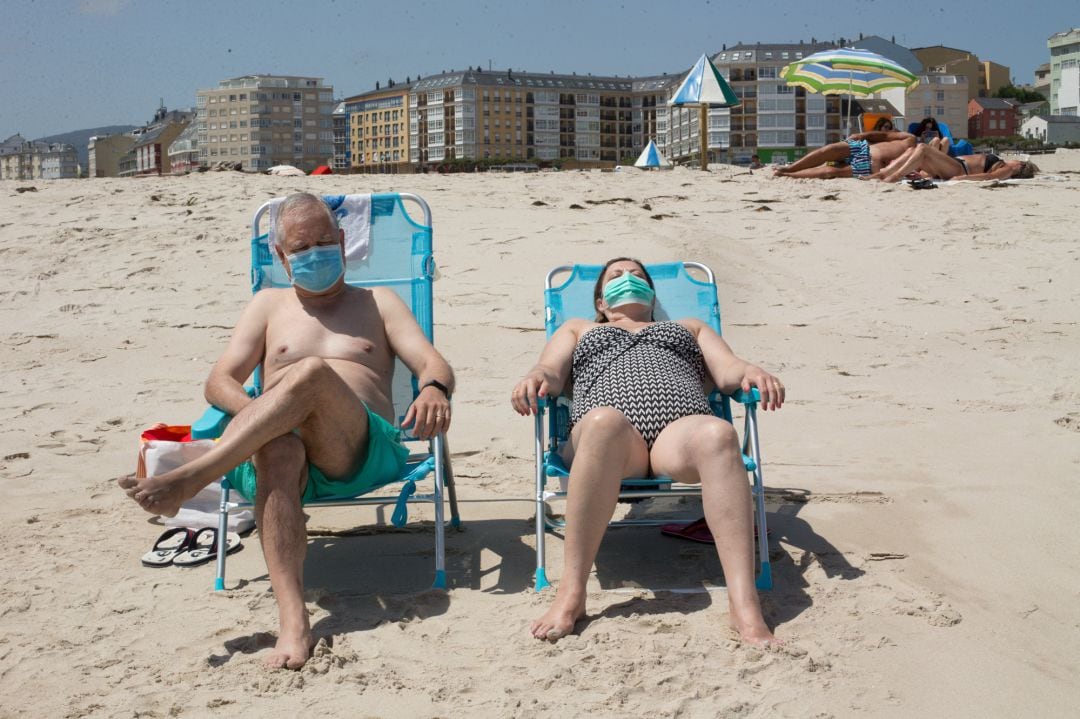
[
  {"x": 679, "y": 294},
  {"x": 396, "y": 253}
]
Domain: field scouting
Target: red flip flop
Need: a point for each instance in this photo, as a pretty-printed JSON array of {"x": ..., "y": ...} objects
[{"x": 697, "y": 531}]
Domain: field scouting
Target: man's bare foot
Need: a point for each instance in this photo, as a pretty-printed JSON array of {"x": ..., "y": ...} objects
[
  {"x": 559, "y": 619},
  {"x": 161, "y": 495},
  {"x": 291, "y": 651}
]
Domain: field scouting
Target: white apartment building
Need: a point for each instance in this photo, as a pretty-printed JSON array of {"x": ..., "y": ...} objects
[
  {"x": 1065, "y": 72},
  {"x": 266, "y": 120}
]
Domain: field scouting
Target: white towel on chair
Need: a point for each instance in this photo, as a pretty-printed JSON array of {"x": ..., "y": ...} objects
[{"x": 353, "y": 214}]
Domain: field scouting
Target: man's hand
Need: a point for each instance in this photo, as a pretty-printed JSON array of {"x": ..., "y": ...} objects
[
  {"x": 536, "y": 384},
  {"x": 771, "y": 389},
  {"x": 429, "y": 414}
]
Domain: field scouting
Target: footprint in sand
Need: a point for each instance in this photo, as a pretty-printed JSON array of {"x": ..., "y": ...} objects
[{"x": 1069, "y": 421}]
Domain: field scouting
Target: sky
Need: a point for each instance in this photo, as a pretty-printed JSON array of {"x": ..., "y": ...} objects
[{"x": 73, "y": 64}]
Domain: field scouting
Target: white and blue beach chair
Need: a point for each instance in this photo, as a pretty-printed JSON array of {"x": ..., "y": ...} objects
[
  {"x": 384, "y": 246},
  {"x": 679, "y": 294}
]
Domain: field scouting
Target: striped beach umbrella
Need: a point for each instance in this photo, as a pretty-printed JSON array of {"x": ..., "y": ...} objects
[
  {"x": 846, "y": 71},
  {"x": 704, "y": 87}
]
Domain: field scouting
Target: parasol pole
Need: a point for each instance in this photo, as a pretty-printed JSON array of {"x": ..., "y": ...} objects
[{"x": 703, "y": 119}]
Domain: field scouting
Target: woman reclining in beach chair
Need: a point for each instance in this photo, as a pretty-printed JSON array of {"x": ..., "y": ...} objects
[
  {"x": 931, "y": 162},
  {"x": 640, "y": 408}
]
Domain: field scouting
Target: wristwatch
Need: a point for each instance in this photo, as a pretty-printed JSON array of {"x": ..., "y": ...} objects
[{"x": 437, "y": 385}]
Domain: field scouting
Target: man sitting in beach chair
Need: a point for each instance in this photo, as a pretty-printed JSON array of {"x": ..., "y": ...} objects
[
  {"x": 861, "y": 155},
  {"x": 323, "y": 424}
]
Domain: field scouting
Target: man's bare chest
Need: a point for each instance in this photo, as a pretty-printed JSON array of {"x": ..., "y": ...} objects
[{"x": 351, "y": 334}]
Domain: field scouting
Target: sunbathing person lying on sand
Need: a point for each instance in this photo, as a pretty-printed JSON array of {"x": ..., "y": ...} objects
[
  {"x": 931, "y": 162},
  {"x": 863, "y": 154},
  {"x": 640, "y": 407},
  {"x": 323, "y": 425}
]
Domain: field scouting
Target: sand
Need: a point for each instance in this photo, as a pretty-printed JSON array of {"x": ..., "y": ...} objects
[{"x": 924, "y": 468}]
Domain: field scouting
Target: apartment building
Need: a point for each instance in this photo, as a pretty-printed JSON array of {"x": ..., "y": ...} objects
[
  {"x": 377, "y": 127},
  {"x": 153, "y": 141},
  {"x": 266, "y": 120},
  {"x": 650, "y": 115},
  {"x": 183, "y": 152},
  {"x": 59, "y": 162},
  {"x": 579, "y": 120},
  {"x": 984, "y": 78},
  {"x": 22, "y": 159},
  {"x": 776, "y": 121},
  {"x": 105, "y": 153},
  {"x": 1064, "y": 72},
  {"x": 943, "y": 97},
  {"x": 342, "y": 151}
]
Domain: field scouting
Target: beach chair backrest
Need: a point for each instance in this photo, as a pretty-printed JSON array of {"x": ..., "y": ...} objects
[
  {"x": 384, "y": 246},
  {"x": 683, "y": 289}
]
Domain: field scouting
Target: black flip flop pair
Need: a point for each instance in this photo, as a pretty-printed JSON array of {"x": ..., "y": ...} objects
[{"x": 183, "y": 547}]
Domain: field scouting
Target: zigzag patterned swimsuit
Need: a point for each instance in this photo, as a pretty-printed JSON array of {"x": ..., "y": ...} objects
[{"x": 653, "y": 376}]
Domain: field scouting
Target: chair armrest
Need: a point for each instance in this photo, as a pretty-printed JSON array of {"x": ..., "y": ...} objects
[
  {"x": 211, "y": 425},
  {"x": 746, "y": 398}
]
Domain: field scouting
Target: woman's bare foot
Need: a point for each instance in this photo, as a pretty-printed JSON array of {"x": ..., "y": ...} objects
[
  {"x": 161, "y": 495},
  {"x": 292, "y": 650},
  {"x": 559, "y": 619},
  {"x": 750, "y": 626}
]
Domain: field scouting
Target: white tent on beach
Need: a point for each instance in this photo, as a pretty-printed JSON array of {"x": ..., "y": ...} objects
[{"x": 651, "y": 157}]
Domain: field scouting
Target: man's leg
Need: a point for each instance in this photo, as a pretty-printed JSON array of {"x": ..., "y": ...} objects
[
  {"x": 820, "y": 173},
  {"x": 606, "y": 449},
  {"x": 705, "y": 449},
  {"x": 835, "y": 152},
  {"x": 281, "y": 473},
  {"x": 311, "y": 398}
]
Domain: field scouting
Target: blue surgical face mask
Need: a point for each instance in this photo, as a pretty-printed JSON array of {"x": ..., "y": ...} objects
[
  {"x": 317, "y": 268},
  {"x": 628, "y": 289}
]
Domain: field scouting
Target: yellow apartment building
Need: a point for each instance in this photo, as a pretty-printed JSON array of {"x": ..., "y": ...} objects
[
  {"x": 377, "y": 130},
  {"x": 984, "y": 78}
]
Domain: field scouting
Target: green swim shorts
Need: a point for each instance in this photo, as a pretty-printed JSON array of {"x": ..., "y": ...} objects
[{"x": 385, "y": 458}]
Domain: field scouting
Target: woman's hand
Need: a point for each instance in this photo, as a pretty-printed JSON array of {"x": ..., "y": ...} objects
[
  {"x": 771, "y": 389},
  {"x": 538, "y": 383}
]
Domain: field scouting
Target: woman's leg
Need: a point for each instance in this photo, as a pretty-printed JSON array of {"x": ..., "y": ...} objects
[
  {"x": 925, "y": 158},
  {"x": 604, "y": 449},
  {"x": 705, "y": 449}
]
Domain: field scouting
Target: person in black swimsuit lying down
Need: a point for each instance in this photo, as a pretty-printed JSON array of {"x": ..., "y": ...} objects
[
  {"x": 931, "y": 162},
  {"x": 640, "y": 408}
]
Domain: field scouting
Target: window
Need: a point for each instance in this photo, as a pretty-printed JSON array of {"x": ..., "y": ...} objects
[
  {"x": 939, "y": 111},
  {"x": 941, "y": 96}
]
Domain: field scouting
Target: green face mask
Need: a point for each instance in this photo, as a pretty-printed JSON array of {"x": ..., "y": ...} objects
[{"x": 628, "y": 289}]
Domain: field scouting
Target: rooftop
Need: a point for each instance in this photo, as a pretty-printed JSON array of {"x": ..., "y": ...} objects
[{"x": 993, "y": 103}]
